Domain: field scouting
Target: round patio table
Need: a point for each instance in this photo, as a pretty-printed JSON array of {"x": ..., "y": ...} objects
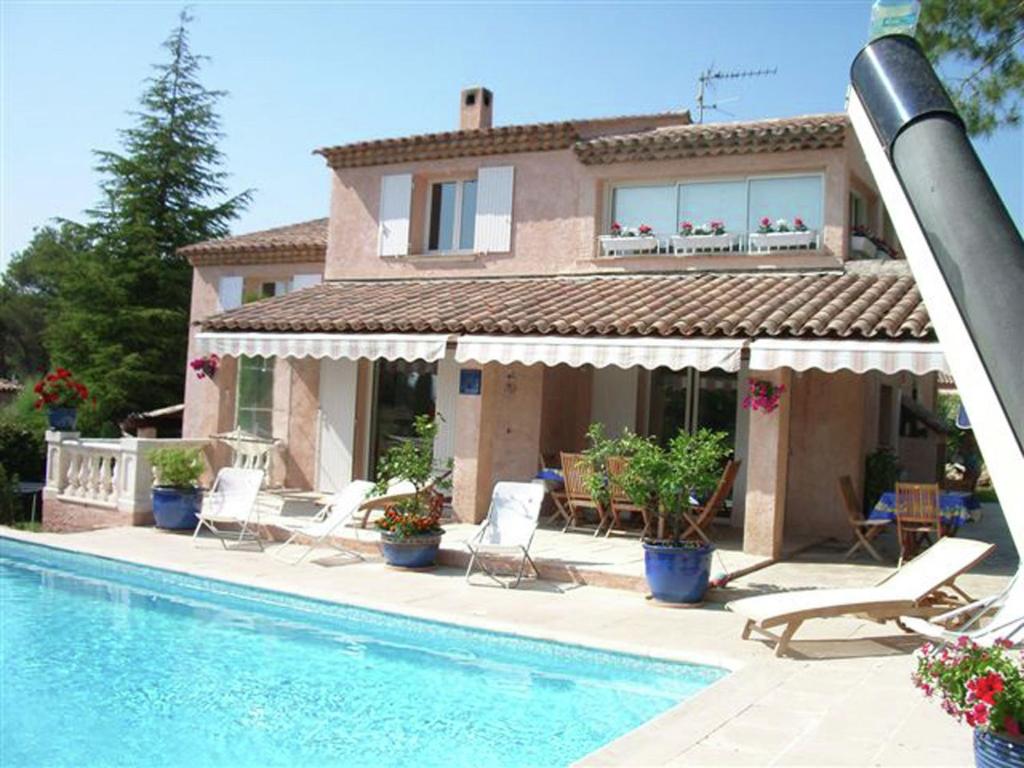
[{"x": 955, "y": 507}]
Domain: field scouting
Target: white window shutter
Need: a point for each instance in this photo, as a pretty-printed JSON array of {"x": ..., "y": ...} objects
[
  {"x": 306, "y": 280},
  {"x": 229, "y": 292},
  {"x": 494, "y": 210},
  {"x": 395, "y": 201}
]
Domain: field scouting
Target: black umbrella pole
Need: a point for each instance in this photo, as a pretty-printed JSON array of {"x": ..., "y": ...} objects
[{"x": 976, "y": 245}]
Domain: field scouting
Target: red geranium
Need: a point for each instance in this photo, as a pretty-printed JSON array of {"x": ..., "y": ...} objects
[{"x": 60, "y": 390}]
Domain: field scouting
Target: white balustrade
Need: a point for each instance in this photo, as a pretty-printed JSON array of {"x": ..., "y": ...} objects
[{"x": 109, "y": 473}]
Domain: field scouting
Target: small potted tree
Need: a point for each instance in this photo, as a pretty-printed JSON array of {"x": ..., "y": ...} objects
[
  {"x": 983, "y": 687},
  {"x": 176, "y": 492},
  {"x": 677, "y": 563},
  {"x": 410, "y": 530},
  {"x": 60, "y": 394}
]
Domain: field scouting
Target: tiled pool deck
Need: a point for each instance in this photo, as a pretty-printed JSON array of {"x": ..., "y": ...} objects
[{"x": 845, "y": 700}]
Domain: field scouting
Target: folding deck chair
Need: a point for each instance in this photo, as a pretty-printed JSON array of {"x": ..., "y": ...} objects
[
  {"x": 232, "y": 501},
  {"x": 864, "y": 530},
  {"x": 508, "y": 530},
  {"x": 339, "y": 510},
  {"x": 700, "y": 519},
  {"x": 915, "y": 589},
  {"x": 1007, "y": 621}
]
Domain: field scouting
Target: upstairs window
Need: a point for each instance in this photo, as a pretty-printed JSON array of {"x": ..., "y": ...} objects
[
  {"x": 739, "y": 203},
  {"x": 451, "y": 220}
]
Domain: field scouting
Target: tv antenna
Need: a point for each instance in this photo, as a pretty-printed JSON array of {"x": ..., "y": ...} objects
[{"x": 707, "y": 80}]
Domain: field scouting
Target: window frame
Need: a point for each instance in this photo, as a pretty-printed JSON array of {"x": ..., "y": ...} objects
[
  {"x": 678, "y": 182},
  {"x": 459, "y": 248},
  {"x": 270, "y": 362}
]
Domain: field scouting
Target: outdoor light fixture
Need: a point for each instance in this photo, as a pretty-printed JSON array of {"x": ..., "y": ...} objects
[{"x": 962, "y": 246}]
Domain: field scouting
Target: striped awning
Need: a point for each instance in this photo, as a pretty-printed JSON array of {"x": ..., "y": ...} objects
[
  {"x": 842, "y": 354},
  {"x": 600, "y": 352},
  {"x": 336, "y": 346}
]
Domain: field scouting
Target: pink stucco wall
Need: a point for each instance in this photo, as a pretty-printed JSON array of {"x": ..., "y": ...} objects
[{"x": 559, "y": 208}]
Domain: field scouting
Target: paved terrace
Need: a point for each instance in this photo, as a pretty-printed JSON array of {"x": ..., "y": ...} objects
[{"x": 845, "y": 699}]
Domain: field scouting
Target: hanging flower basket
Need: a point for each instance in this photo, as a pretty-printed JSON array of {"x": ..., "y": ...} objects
[
  {"x": 206, "y": 366},
  {"x": 763, "y": 396}
]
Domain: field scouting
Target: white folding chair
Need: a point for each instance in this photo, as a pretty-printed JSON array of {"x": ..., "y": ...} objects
[
  {"x": 232, "y": 501},
  {"x": 508, "y": 530},
  {"x": 339, "y": 510}
]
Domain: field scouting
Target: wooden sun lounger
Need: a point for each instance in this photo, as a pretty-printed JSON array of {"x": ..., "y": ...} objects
[{"x": 914, "y": 590}]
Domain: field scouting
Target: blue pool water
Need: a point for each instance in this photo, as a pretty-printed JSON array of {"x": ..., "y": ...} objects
[{"x": 105, "y": 663}]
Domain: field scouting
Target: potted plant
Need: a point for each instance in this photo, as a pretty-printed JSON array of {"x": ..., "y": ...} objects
[
  {"x": 862, "y": 243},
  {"x": 60, "y": 394},
  {"x": 623, "y": 241},
  {"x": 780, "y": 234},
  {"x": 705, "y": 238},
  {"x": 410, "y": 530},
  {"x": 983, "y": 687},
  {"x": 664, "y": 480},
  {"x": 176, "y": 492}
]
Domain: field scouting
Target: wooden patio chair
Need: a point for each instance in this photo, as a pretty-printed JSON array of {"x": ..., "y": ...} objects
[
  {"x": 620, "y": 502},
  {"x": 864, "y": 530},
  {"x": 576, "y": 470},
  {"x": 699, "y": 519},
  {"x": 559, "y": 500},
  {"x": 918, "y": 516}
]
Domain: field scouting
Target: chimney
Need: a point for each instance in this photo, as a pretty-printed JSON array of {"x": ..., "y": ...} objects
[{"x": 475, "y": 108}]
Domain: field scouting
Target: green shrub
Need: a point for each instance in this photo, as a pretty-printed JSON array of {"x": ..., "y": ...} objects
[
  {"x": 881, "y": 471},
  {"x": 8, "y": 497},
  {"x": 177, "y": 467},
  {"x": 22, "y": 448}
]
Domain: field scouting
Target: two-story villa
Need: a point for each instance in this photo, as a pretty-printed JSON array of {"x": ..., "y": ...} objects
[{"x": 474, "y": 275}]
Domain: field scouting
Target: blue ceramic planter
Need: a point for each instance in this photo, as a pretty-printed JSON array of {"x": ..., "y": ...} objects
[
  {"x": 677, "y": 574},
  {"x": 997, "y": 751},
  {"x": 62, "y": 419},
  {"x": 176, "y": 509},
  {"x": 413, "y": 552}
]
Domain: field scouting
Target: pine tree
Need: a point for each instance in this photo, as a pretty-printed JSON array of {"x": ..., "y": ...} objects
[
  {"x": 120, "y": 320},
  {"x": 978, "y": 48}
]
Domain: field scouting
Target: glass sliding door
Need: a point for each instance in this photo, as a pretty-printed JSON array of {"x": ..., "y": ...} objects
[
  {"x": 717, "y": 393},
  {"x": 402, "y": 391},
  {"x": 687, "y": 400}
]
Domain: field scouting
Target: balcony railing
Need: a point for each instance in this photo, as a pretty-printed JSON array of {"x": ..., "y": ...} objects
[
  {"x": 738, "y": 244},
  {"x": 110, "y": 474}
]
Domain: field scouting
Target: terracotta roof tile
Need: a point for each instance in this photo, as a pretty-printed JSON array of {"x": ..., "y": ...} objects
[
  {"x": 305, "y": 241},
  {"x": 838, "y": 305},
  {"x": 778, "y": 135}
]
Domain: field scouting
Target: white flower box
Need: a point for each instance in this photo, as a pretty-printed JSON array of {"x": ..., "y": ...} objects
[
  {"x": 864, "y": 246},
  {"x": 762, "y": 242},
  {"x": 613, "y": 245},
  {"x": 704, "y": 243}
]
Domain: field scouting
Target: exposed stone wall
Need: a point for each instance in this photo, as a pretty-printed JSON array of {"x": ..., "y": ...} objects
[{"x": 63, "y": 517}]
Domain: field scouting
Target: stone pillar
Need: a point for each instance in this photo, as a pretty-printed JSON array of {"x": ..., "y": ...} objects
[
  {"x": 767, "y": 469},
  {"x": 497, "y": 435}
]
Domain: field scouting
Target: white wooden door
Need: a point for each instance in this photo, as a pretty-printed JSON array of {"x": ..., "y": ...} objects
[
  {"x": 446, "y": 397},
  {"x": 337, "y": 424}
]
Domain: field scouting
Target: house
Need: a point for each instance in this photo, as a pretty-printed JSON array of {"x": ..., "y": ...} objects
[{"x": 473, "y": 275}]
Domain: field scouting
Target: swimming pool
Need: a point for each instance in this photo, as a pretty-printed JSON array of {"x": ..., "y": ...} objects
[{"x": 105, "y": 663}]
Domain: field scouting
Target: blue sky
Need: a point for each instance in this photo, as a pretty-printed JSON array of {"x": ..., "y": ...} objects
[{"x": 304, "y": 75}]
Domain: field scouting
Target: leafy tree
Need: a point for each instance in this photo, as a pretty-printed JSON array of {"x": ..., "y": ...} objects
[
  {"x": 27, "y": 292},
  {"x": 120, "y": 318},
  {"x": 978, "y": 49}
]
